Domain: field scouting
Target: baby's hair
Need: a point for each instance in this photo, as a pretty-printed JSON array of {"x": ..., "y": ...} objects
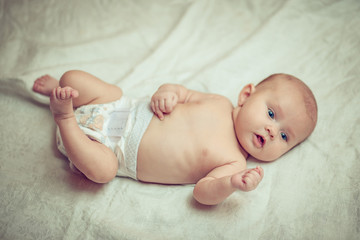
[{"x": 308, "y": 96}]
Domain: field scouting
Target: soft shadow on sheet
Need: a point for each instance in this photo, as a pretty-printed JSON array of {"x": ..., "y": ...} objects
[{"x": 214, "y": 46}]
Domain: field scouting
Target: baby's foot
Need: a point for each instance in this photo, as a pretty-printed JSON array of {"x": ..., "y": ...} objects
[
  {"x": 61, "y": 104},
  {"x": 45, "y": 84}
]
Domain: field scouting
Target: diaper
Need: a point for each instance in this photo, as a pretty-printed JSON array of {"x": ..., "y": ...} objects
[{"x": 118, "y": 125}]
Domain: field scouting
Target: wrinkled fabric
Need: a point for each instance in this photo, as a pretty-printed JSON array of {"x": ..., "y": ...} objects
[{"x": 214, "y": 46}]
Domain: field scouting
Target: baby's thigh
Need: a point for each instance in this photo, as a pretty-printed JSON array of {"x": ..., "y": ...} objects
[
  {"x": 92, "y": 90},
  {"x": 108, "y": 93}
]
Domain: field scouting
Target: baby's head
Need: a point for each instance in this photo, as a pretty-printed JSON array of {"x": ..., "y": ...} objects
[{"x": 274, "y": 116}]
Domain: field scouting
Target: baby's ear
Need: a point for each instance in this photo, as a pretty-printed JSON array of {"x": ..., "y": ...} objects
[{"x": 245, "y": 93}]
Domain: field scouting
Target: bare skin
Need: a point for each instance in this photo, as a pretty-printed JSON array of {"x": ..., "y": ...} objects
[
  {"x": 190, "y": 139},
  {"x": 45, "y": 84}
]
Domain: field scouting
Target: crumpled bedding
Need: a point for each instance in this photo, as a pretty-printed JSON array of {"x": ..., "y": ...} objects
[{"x": 214, "y": 46}]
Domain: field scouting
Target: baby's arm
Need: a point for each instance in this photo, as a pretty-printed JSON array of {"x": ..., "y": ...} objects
[
  {"x": 223, "y": 181},
  {"x": 167, "y": 96}
]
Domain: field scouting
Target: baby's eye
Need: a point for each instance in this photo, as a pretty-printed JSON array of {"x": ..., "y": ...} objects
[
  {"x": 284, "y": 137},
  {"x": 271, "y": 113}
]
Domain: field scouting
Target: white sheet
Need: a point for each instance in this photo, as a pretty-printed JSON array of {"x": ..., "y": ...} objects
[{"x": 213, "y": 46}]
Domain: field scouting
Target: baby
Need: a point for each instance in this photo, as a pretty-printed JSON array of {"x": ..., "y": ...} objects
[{"x": 182, "y": 136}]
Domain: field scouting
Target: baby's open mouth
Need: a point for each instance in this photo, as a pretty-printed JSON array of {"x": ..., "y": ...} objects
[{"x": 261, "y": 140}]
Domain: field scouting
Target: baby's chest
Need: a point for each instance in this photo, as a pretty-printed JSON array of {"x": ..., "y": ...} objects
[{"x": 220, "y": 149}]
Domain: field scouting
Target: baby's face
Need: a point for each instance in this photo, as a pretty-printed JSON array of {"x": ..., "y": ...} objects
[{"x": 271, "y": 121}]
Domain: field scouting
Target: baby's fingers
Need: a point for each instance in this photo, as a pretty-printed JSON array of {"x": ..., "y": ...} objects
[
  {"x": 260, "y": 170},
  {"x": 156, "y": 109},
  {"x": 153, "y": 106},
  {"x": 167, "y": 105},
  {"x": 249, "y": 182},
  {"x": 251, "y": 179},
  {"x": 161, "y": 104},
  {"x": 170, "y": 104},
  {"x": 254, "y": 175}
]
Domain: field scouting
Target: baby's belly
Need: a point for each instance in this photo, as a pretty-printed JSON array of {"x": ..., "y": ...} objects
[{"x": 170, "y": 153}]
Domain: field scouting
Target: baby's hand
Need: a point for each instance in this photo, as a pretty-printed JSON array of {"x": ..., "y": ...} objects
[
  {"x": 248, "y": 179},
  {"x": 163, "y": 102}
]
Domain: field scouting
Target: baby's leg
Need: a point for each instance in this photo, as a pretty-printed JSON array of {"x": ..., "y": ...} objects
[
  {"x": 91, "y": 89},
  {"x": 45, "y": 84},
  {"x": 96, "y": 161}
]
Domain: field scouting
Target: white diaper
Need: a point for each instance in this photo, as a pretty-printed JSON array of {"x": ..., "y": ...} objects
[{"x": 118, "y": 125}]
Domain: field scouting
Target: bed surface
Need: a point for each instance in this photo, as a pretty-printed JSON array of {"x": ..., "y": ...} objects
[{"x": 212, "y": 46}]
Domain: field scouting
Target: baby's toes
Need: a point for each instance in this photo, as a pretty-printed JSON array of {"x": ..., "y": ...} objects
[
  {"x": 36, "y": 87},
  {"x": 40, "y": 81}
]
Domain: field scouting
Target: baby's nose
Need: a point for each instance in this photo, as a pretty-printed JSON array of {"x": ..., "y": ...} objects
[{"x": 272, "y": 130}]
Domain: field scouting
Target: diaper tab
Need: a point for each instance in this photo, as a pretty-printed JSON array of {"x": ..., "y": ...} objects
[{"x": 116, "y": 123}]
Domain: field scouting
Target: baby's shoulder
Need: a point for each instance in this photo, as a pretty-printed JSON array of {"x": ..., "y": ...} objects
[{"x": 219, "y": 100}]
